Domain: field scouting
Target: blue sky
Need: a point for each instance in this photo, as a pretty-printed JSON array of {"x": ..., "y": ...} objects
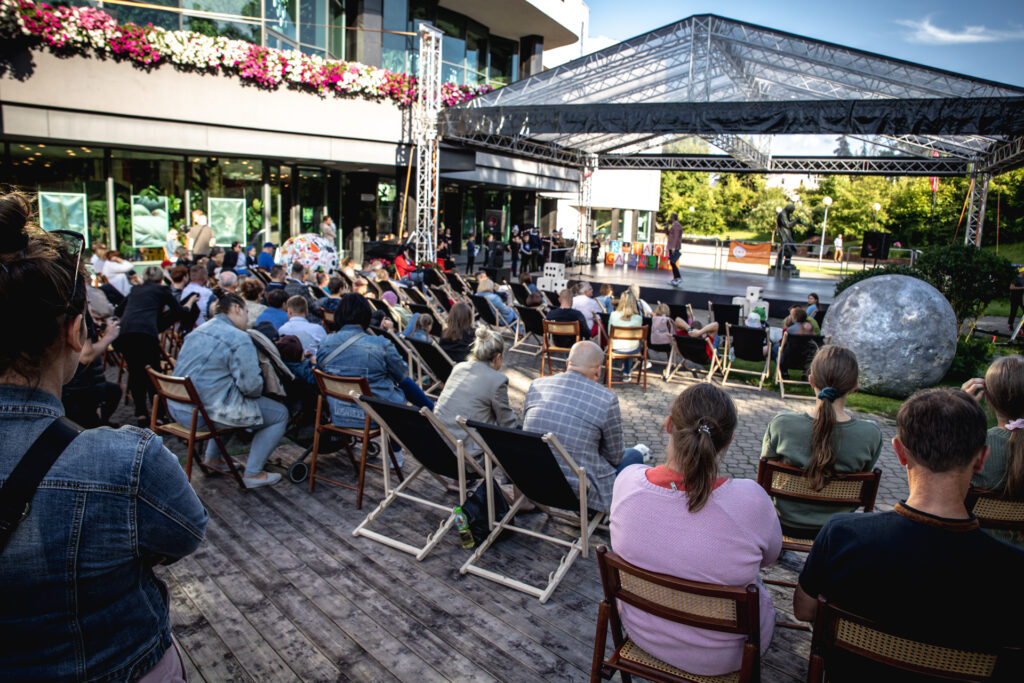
[{"x": 983, "y": 38}]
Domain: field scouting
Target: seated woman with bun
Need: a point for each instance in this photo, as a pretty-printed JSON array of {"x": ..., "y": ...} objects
[
  {"x": 822, "y": 441},
  {"x": 80, "y": 600},
  {"x": 682, "y": 519}
]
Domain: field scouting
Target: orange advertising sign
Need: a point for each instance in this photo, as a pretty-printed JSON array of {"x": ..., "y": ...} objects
[{"x": 755, "y": 254}]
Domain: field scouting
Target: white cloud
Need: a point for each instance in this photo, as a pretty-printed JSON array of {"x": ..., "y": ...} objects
[
  {"x": 924, "y": 31},
  {"x": 561, "y": 55}
]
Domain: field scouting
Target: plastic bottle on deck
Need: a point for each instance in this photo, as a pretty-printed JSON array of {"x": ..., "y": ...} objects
[{"x": 465, "y": 535}]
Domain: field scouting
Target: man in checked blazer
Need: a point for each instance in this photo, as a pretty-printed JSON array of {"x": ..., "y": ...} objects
[{"x": 585, "y": 417}]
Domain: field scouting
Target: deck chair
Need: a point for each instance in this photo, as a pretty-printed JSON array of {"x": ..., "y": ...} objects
[
  {"x": 437, "y": 364},
  {"x": 260, "y": 274},
  {"x": 842, "y": 637},
  {"x": 456, "y": 282},
  {"x": 490, "y": 317},
  {"x": 997, "y": 513},
  {"x": 437, "y": 451},
  {"x": 799, "y": 350},
  {"x": 788, "y": 482},
  {"x": 442, "y": 298},
  {"x": 183, "y": 392},
  {"x": 342, "y": 388},
  {"x": 437, "y": 327},
  {"x": 552, "y": 298},
  {"x": 554, "y": 332},
  {"x": 381, "y": 305},
  {"x": 637, "y": 335},
  {"x": 391, "y": 286},
  {"x": 373, "y": 287},
  {"x": 660, "y": 348},
  {"x": 520, "y": 292},
  {"x": 746, "y": 343},
  {"x": 819, "y": 314},
  {"x": 532, "y": 463},
  {"x": 531, "y": 327},
  {"x": 725, "y": 609},
  {"x": 697, "y": 350},
  {"x": 724, "y": 314},
  {"x": 431, "y": 278}
]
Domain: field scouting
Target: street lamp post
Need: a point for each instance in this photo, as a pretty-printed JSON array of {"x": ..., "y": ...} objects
[
  {"x": 827, "y": 201},
  {"x": 876, "y": 206},
  {"x": 691, "y": 219}
]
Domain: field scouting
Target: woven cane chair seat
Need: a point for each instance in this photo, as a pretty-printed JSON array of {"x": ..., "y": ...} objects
[
  {"x": 632, "y": 652},
  {"x": 1003, "y": 510},
  {"x": 805, "y": 542},
  {"x": 965, "y": 662},
  {"x": 799, "y": 485},
  {"x": 692, "y": 603},
  {"x": 183, "y": 432}
]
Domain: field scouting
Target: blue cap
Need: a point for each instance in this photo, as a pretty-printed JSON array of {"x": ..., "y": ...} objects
[{"x": 268, "y": 244}]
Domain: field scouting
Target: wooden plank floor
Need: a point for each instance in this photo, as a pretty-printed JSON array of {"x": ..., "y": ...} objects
[{"x": 281, "y": 590}]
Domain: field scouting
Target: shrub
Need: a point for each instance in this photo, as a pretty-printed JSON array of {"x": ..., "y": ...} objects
[
  {"x": 971, "y": 359},
  {"x": 968, "y": 277},
  {"x": 855, "y": 277}
]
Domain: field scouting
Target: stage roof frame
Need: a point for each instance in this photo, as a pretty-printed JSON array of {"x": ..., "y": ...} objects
[{"x": 722, "y": 79}]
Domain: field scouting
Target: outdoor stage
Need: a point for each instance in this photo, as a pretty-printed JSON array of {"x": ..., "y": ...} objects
[{"x": 702, "y": 285}]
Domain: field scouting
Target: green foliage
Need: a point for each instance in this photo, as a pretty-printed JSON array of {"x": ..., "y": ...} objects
[
  {"x": 254, "y": 217},
  {"x": 971, "y": 360},
  {"x": 892, "y": 269},
  {"x": 968, "y": 277}
]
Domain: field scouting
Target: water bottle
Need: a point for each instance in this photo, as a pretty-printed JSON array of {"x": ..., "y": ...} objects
[{"x": 465, "y": 535}]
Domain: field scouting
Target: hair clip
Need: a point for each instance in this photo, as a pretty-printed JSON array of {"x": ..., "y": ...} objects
[{"x": 705, "y": 429}]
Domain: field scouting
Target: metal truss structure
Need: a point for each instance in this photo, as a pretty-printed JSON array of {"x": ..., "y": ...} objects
[
  {"x": 976, "y": 208},
  {"x": 585, "y": 199},
  {"x": 425, "y": 135},
  {"x": 723, "y": 80}
]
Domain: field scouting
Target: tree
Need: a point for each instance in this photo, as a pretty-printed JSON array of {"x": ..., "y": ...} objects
[
  {"x": 969, "y": 278},
  {"x": 843, "y": 148}
]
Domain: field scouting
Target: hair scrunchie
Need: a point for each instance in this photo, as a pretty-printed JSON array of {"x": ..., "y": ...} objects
[
  {"x": 1015, "y": 424},
  {"x": 829, "y": 394}
]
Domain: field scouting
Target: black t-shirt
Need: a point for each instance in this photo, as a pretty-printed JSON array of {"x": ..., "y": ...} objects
[
  {"x": 567, "y": 315},
  {"x": 943, "y": 579}
]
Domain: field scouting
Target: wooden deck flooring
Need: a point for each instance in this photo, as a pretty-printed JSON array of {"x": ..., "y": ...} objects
[{"x": 281, "y": 590}]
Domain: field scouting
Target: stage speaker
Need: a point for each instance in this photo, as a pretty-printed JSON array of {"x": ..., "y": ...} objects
[
  {"x": 494, "y": 222},
  {"x": 875, "y": 245},
  {"x": 499, "y": 275}
]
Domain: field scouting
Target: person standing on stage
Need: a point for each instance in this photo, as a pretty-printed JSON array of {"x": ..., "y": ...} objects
[
  {"x": 595, "y": 249},
  {"x": 470, "y": 254},
  {"x": 675, "y": 243}
]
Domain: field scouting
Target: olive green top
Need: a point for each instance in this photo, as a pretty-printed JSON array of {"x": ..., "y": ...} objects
[
  {"x": 857, "y": 443},
  {"x": 993, "y": 477}
]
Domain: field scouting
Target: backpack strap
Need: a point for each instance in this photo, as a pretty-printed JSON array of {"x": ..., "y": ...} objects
[{"x": 23, "y": 481}]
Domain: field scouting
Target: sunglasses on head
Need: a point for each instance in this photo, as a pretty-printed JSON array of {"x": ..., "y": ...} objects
[{"x": 74, "y": 245}]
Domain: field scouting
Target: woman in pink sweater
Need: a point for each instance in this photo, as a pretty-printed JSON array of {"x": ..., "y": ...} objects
[{"x": 682, "y": 519}]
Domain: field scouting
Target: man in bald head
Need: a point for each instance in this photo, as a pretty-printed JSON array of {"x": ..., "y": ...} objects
[{"x": 585, "y": 417}]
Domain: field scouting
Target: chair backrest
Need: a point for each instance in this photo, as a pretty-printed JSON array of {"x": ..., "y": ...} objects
[
  {"x": 725, "y": 313},
  {"x": 177, "y": 389},
  {"x": 843, "y": 633},
  {"x": 556, "y": 333},
  {"x": 994, "y": 511},
  {"x": 520, "y": 292},
  {"x": 727, "y": 609},
  {"x": 484, "y": 309},
  {"x": 694, "y": 349},
  {"x": 336, "y": 386},
  {"x": 437, "y": 361},
  {"x": 849, "y": 488},
  {"x": 383, "y": 307},
  {"x": 747, "y": 342},
  {"x": 455, "y": 281},
  {"x": 530, "y": 463},
  {"x": 532, "y": 319},
  {"x": 552, "y": 298},
  {"x": 819, "y": 314},
  {"x": 372, "y": 287},
  {"x": 436, "y": 327},
  {"x": 400, "y": 346},
  {"x": 799, "y": 350},
  {"x": 416, "y": 296},
  {"x": 431, "y": 277},
  {"x": 418, "y": 432},
  {"x": 628, "y": 333},
  {"x": 442, "y": 298}
]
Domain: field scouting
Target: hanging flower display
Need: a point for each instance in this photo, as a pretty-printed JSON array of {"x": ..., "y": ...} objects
[{"x": 86, "y": 30}]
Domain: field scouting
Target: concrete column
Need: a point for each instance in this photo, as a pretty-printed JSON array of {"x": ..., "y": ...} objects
[
  {"x": 366, "y": 46},
  {"x": 616, "y": 233},
  {"x": 531, "y": 55}
]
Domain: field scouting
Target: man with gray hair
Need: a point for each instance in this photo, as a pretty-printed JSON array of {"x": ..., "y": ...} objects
[
  {"x": 585, "y": 417},
  {"x": 228, "y": 280},
  {"x": 585, "y": 303}
]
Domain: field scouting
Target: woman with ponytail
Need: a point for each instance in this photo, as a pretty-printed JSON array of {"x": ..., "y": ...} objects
[
  {"x": 823, "y": 441},
  {"x": 682, "y": 519},
  {"x": 80, "y": 600},
  {"x": 1003, "y": 388}
]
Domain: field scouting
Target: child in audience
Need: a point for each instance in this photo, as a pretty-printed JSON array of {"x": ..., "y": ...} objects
[
  {"x": 823, "y": 441},
  {"x": 1003, "y": 388},
  {"x": 419, "y": 328},
  {"x": 683, "y": 519},
  {"x": 662, "y": 327},
  {"x": 642, "y": 307},
  {"x": 535, "y": 300}
]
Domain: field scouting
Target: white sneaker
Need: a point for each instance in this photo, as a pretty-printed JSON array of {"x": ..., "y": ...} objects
[
  {"x": 254, "y": 483},
  {"x": 649, "y": 365}
]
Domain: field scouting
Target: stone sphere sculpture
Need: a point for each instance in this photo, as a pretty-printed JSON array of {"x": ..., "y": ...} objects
[{"x": 902, "y": 329}]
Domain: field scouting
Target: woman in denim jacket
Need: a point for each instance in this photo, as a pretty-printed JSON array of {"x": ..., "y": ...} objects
[{"x": 80, "y": 601}]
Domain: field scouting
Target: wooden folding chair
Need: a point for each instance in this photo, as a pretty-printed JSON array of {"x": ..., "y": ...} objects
[
  {"x": 1000, "y": 516},
  {"x": 341, "y": 389},
  {"x": 519, "y": 292},
  {"x": 749, "y": 344},
  {"x": 798, "y": 351},
  {"x": 724, "y": 314},
  {"x": 433, "y": 360},
  {"x": 531, "y": 327},
  {"x": 697, "y": 350},
  {"x": 553, "y": 329},
  {"x": 630, "y": 334},
  {"x": 489, "y": 316},
  {"x": 532, "y": 463},
  {"x": 183, "y": 392},
  {"x": 552, "y": 298},
  {"x": 842, "y": 638},
  {"x": 443, "y": 298},
  {"x": 725, "y": 609},
  {"x": 790, "y": 483},
  {"x": 437, "y": 327}
]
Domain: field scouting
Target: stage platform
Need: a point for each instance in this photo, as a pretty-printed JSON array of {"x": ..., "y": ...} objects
[{"x": 700, "y": 286}]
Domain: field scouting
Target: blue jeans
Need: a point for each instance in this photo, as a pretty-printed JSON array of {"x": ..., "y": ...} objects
[
  {"x": 265, "y": 438},
  {"x": 631, "y": 457},
  {"x": 414, "y": 394},
  {"x": 627, "y": 363}
]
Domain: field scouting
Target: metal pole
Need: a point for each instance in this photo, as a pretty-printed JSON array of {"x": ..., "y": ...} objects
[{"x": 821, "y": 247}]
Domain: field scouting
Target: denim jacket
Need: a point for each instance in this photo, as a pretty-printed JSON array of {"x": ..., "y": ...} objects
[
  {"x": 79, "y": 599},
  {"x": 504, "y": 311},
  {"x": 374, "y": 358},
  {"x": 222, "y": 362}
]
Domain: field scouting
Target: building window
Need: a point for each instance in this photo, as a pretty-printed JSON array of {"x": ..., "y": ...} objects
[
  {"x": 395, "y": 47},
  {"x": 503, "y": 60},
  {"x": 149, "y": 200},
  {"x": 281, "y": 17},
  {"x": 230, "y": 191},
  {"x": 336, "y": 31}
]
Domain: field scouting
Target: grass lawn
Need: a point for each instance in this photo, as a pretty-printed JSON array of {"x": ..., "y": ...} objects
[
  {"x": 1014, "y": 251},
  {"x": 746, "y": 236}
]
